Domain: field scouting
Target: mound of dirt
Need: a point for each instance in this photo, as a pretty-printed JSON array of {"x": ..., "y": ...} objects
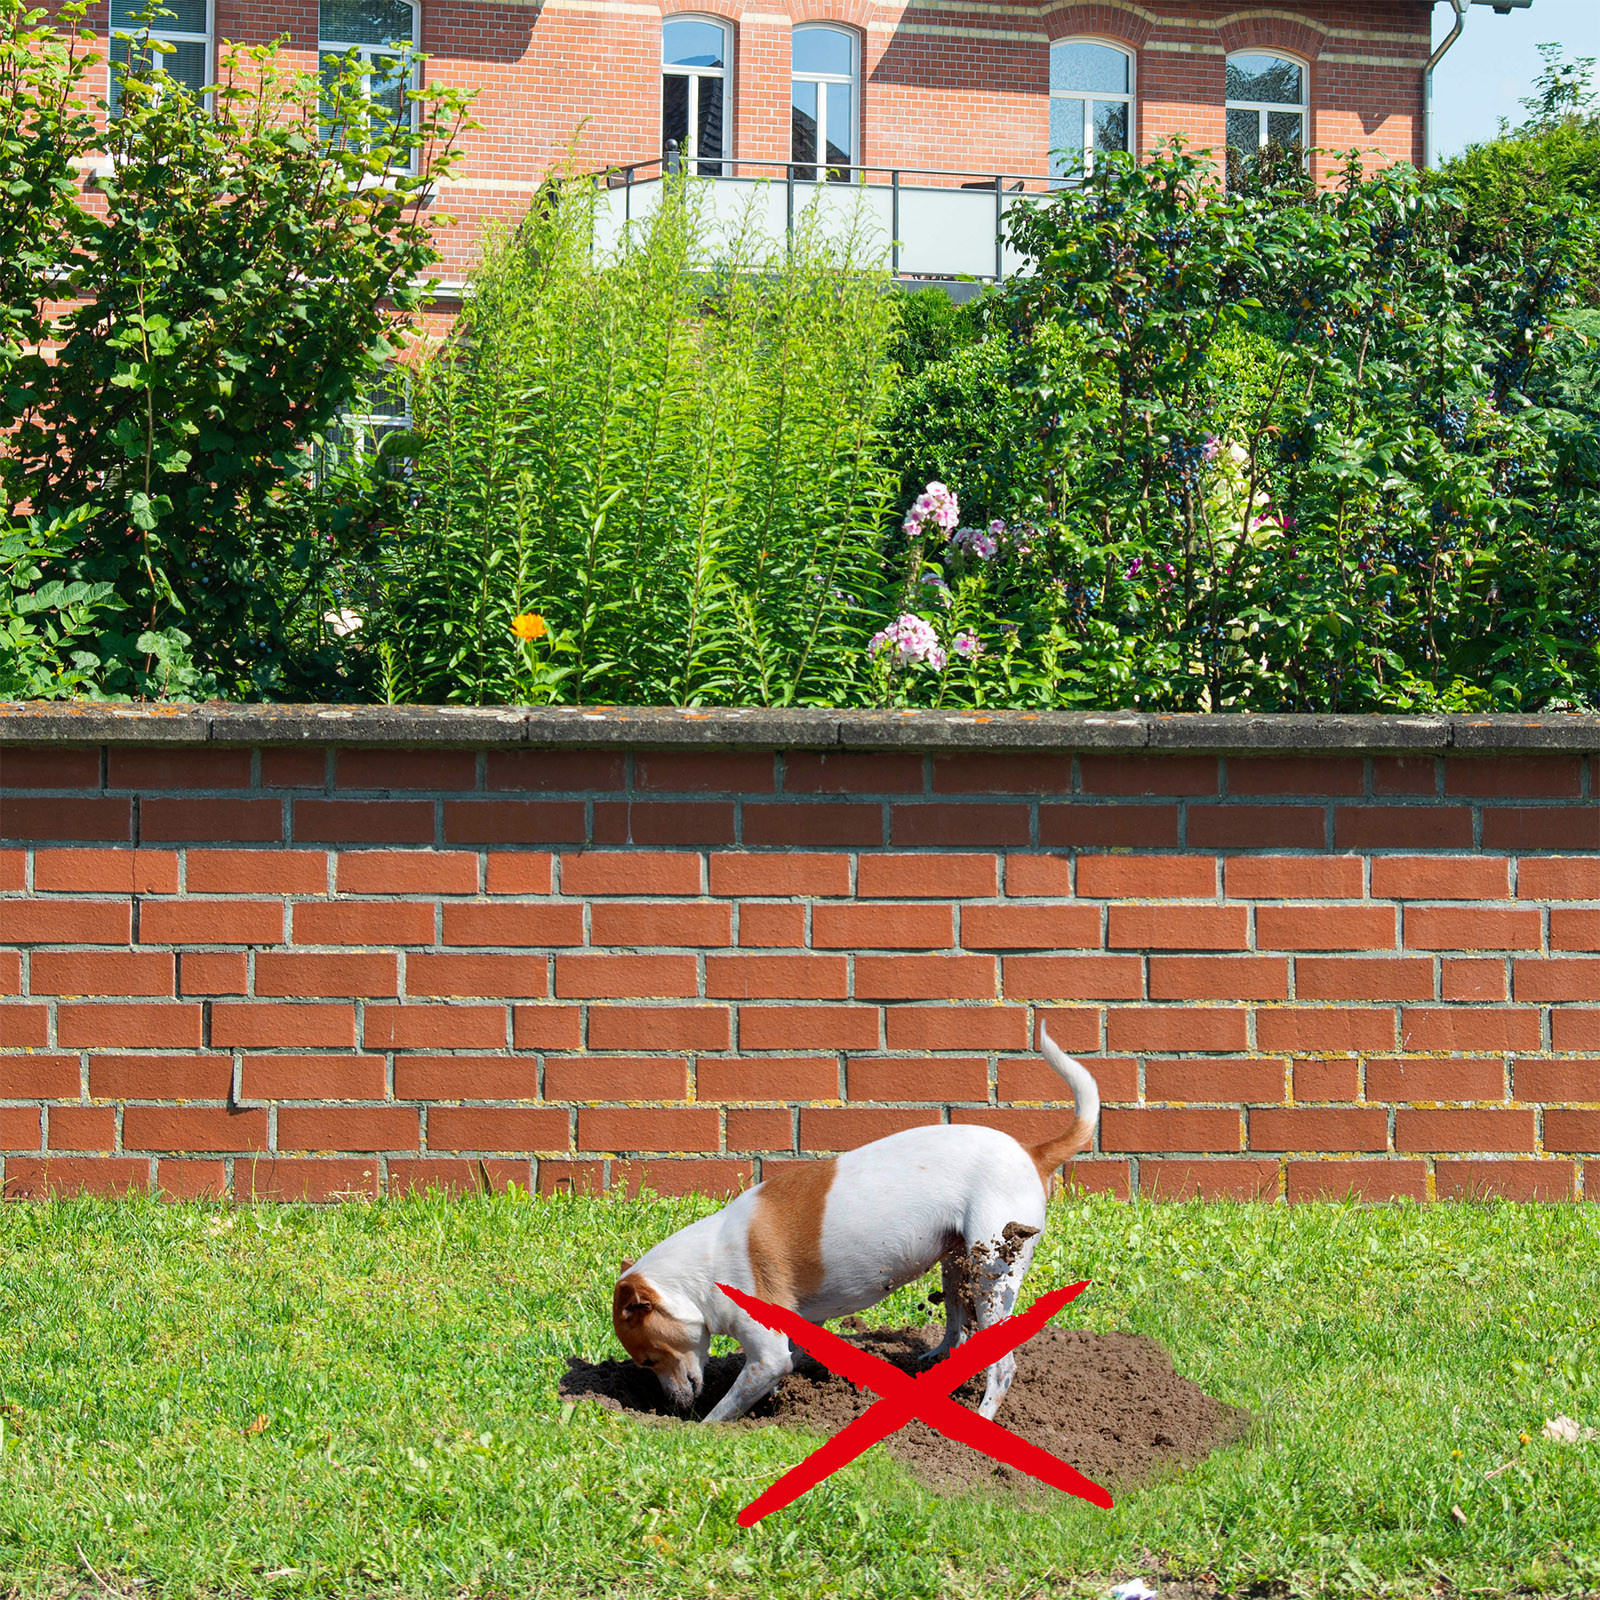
[{"x": 1110, "y": 1404}]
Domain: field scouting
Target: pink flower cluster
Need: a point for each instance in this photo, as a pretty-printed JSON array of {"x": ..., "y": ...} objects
[
  {"x": 967, "y": 644},
  {"x": 934, "y": 510},
  {"x": 913, "y": 642},
  {"x": 984, "y": 543}
]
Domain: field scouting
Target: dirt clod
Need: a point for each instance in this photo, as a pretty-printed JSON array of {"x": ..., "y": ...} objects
[{"x": 1110, "y": 1404}]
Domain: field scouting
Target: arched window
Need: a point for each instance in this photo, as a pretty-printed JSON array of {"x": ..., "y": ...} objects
[
  {"x": 182, "y": 31},
  {"x": 822, "y": 103},
  {"x": 696, "y": 61},
  {"x": 1266, "y": 103},
  {"x": 1091, "y": 104}
]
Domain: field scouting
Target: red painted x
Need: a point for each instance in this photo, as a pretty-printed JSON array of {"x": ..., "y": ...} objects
[{"x": 924, "y": 1396}]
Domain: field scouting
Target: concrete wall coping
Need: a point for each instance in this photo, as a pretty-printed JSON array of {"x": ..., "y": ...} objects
[{"x": 218, "y": 722}]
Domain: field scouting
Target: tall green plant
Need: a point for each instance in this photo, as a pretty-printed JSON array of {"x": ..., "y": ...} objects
[{"x": 668, "y": 450}]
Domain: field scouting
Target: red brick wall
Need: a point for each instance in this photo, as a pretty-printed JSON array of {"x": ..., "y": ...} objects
[
  {"x": 290, "y": 970},
  {"x": 943, "y": 86}
]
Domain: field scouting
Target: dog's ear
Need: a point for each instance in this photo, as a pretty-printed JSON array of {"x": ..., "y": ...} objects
[
  {"x": 632, "y": 1301},
  {"x": 627, "y": 1265}
]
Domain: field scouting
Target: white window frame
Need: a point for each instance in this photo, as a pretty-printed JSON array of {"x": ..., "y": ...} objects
[
  {"x": 156, "y": 30},
  {"x": 362, "y": 432},
  {"x": 1266, "y": 108},
  {"x": 1088, "y": 97},
  {"x": 724, "y": 74},
  {"x": 365, "y": 53},
  {"x": 852, "y": 78}
]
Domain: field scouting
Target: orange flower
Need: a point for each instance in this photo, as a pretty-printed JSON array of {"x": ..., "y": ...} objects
[{"x": 530, "y": 625}]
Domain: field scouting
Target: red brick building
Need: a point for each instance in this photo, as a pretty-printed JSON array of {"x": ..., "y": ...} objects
[{"x": 976, "y": 87}]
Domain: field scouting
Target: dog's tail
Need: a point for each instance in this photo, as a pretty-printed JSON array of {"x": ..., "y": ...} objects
[{"x": 1085, "y": 1101}]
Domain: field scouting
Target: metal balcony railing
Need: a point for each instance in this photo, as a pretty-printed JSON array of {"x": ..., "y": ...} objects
[{"x": 939, "y": 224}]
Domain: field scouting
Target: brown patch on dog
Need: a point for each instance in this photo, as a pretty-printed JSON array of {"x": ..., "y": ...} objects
[
  {"x": 785, "y": 1237},
  {"x": 1052, "y": 1152},
  {"x": 646, "y": 1330}
]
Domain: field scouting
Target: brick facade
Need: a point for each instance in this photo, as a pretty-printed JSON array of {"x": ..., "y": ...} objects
[
  {"x": 944, "y": 83},
  {"x": 237, "y": 959}
]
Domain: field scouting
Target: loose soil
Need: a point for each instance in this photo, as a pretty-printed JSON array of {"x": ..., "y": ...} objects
[{"x": 1110, "y": 1404}]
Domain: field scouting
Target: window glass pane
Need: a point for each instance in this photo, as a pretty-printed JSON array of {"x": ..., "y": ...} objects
[
  {"x": 180, "y": 16},
  {"x": 1286, "y": 127},
  {"x": 1244, "y": 132},
  {"x": 823, "y": 50},
  {"x": 387, "y": 86},
  {"x": 1260, "y": 77},
  {"x": 803, "y": 122},
  {"x": 840, "y": 129},
  {"x": 687, "y": 43},
  {"x": 1066, "y": 138},
  {"x": 365, "y": 21},
  {"x": 708, "y": 136},
  {"x": 1077, "y": 64},
  {"x": 125, "y": 58},
  {"x": 187, "y": 63},
  {"x": 674, "y": 111},
  {"x": 1111, "y": 124}
]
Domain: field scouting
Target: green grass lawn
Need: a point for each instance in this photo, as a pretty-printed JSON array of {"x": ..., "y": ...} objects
[{"x": 361, "y": 1401}]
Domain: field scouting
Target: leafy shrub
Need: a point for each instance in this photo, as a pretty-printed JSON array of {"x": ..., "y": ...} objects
[
  {"x": 932, "y": 327},
  {"x": 674, "y": 471}
]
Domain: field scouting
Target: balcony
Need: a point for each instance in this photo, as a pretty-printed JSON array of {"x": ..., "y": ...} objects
[{"x": 944, "y": 228}]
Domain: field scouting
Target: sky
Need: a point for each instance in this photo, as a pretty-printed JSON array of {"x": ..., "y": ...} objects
[{"x": 1493, "y": 64}]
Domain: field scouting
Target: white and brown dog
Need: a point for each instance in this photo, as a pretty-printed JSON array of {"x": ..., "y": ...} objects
[{"x": 826, "y": 1238}]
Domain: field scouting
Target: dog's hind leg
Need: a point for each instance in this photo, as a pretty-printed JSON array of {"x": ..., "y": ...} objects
[
  {"x": 953, "y": 1288},
  {"x": 996, "y": 1280},
  {"x": 767, "y": 1362}
]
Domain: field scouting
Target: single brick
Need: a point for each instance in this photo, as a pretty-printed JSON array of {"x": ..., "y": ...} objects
[
  {"x": 929, "y": 877},
  {"x": 492, "y": 1175},
  {"x": 1208, "y": 1180},
  {"x": 278, "y": 1024},
  {"x": 1077, "y": 1030},
  {"x": 705, "y": 771},
  {"x": 1148, "y": 774},
  {"x": 160, "y": 1077},
  {"x": 189, "y": 922},
  {"x": 213, "y": 972},
  {"x": 41, "y": 1178},
  {"x": 850, "y": 1127},
  {"x": 716, "y": 1178},
  {"x": 49, "y": 767},
  {"x": 521, "y": 872},
  {"x": 501, "y": 1128},
  {"x": 463, "y": 1078},
  {"x": 14, "y": 864},
  {"x": 1574, "y": 930},
  {"x": 1034, "y": 1126},
  {"x": 1139, "y": 1129},
  {"x": 975, "y": 822},
  {"x": 749, "y": 977},
  {"x": 1558, "y": 827},
  {"x": 430, "y": 1027},
  {"x": 409, "y": 872},
  {"x": 1322, "y": 1128},
  {"x": 801, "y": 872},
  {"x": 1109, "y": 826},
  {"x": 1342, "y": 775},
  {"x": 1219, "y": 978},
  {"x": 371, "y": 922},
  {"x": 1326, "y": 1080},
  {"x": 1049, "y": 876},
  {"x": 1031, "y": 1078},
  {"x": 557, "y": 771},
  {"x": 851, "y": 772},
  {"x": 1241, "y": 827},
  {"x": 610, "y": 977},
  {"x": 1146, "y": 877},
  {"x": 1569, "y": 1130},
  {"x": 104, "y": 821},
  {"x": 152, "y": 1025},
  {"x": 812, "y": 824},
  {"x": 136, "y": 972},
  {"x": 103, "y": 871},
  {"x": 634, "y": 923},
  {"x": 1506, "y": 1180},
  {"x": 1442, "y": 878},
  {"x": 1087, "y": 1176},
  {"x": 68, "y": 921},
  {"x": 996, "y": 772},
  {"x": 1325, "y": 927},
  {"x": 1293, "y": 877},
  {"x": 663, "y": 822},
  {"x": 925, "y": 977},
  {"x": 1362, "y": 978},
  {"x": 1016, "y": 927},
  {"x": 348, "y": 1128},
  {"x": 286, "y": 1178},
  {"x": 1178, "y": 928},
  {"x": 1540, "y": 878},
  {"x": 289, "y": 768},
  {"x": 256, "y": 872},
  {"x": 523, "y": 977},
  {"x": 1480, "y": 1028},
  {"x": 454, "y": 770},
  {"x": 537, "y": 925},
  {"x": 35, "y": 1077},
  {"x": 765, "y": 926},
  {"x": 22, "y": 1128},
  {"x": 1232, "y": 1082},
  {"x": 314, "y": 1077},
  {"x": 1420, "y": 827},
  {"x": 24, "y": 1027},
  {"x": 1537, "y": 980},
  {"x": 328, "y": 976},
  {"x": 766, "y": 1078},
  {"x": 547, "y": 1027},
  {"x": 1398, "y": 775},
  {"x": 1360, "y": 1180},
  {"x": 1332, "y": 1029},
  {"x": 158, "y": 767},
  {"x": 662, "y": 1027},
  {"x": 760, "y": 1128},
  {"x": 1174, "y": 1028},
  {"x": 669, "y": 1128},
  {"x": 617, "y": 1078},
  {"x": 883, "y": 927},
  {"x": 1556, "y": 1080},
  {"x": 191, "y": 1180},
  {"x": 1462, "y": 979},
  {"x": 1571, "y": 1028},
  {"x": 208, "y": 821},
  {"x": 369, "y": 821},
  {"x": 1073, "y": 978},
  {"x": 213, "y": 1128},
  {"x": 1501, "y": 777},
  {"x": 918, "y": 1078},
  {"x": 1477, "y": 928},
  {"x": 1463, "y": 1130},
  {"x": 602, "y": 872},
  {"x": 781, "y": 1027}
]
